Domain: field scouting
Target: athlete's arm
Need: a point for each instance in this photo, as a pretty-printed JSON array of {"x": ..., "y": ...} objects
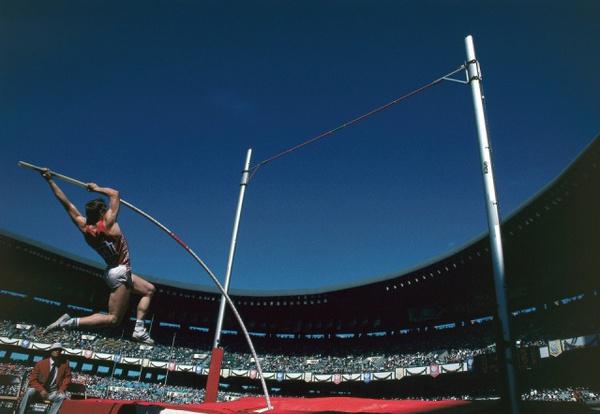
[
  {"x": 110, "y": 217},
  {"x": 74, "y": 214}
]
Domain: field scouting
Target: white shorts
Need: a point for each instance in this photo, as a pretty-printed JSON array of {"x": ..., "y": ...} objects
[{"x": 117, "y": 276}]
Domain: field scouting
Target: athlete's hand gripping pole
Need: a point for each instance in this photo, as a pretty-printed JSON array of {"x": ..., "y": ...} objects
[{"x": 53, "y": 174}]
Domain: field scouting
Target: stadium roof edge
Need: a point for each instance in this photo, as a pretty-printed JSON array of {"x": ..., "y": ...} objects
[
  {"x": 407, "y": 271},
  {"x": 435, "y": 259},
  {"x": 52, "y": 249},
  {"x": 332, "y": 288}
]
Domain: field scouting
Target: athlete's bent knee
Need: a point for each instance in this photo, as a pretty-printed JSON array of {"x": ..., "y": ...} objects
[{"x": 114, "y": 320}]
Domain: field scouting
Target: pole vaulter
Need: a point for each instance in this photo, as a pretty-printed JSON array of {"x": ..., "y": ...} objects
[{"x": 187, "y": 249}]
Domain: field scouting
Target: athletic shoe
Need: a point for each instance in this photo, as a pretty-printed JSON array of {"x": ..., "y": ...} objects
[
  {"x": 141, "y": 335},
  {"x": 59, "y": 323}
]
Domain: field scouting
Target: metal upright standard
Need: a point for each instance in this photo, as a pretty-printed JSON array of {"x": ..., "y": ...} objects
[
  {"x": 474, "y": 78},
  {"x": 217, "y": 354},
  {"x": 232, "y": 246}
]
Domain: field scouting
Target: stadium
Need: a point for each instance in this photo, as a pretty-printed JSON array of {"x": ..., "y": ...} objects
[{"x": 425, "y": 335}]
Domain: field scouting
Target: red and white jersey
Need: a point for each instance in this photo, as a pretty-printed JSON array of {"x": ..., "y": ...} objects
[{"x": 113, "y": 249}]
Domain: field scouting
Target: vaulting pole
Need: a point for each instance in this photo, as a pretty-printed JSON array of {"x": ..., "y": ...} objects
[
  {"x": 169, "y": 363},
  {"x": 187, "y": 249},
  {"x": 505, "y": 346}
]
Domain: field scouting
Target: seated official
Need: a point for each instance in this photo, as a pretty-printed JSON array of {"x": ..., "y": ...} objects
[{"x": 49, "y": 380}]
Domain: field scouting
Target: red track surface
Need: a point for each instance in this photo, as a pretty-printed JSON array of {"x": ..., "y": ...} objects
[
  {"x": 321, "y": 405},
  {"x": 280, "y": 406},
  {"x": 337, "y": 404}
]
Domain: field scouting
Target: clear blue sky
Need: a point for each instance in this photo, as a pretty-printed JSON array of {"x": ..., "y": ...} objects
[{"x": 161, "y": 99}]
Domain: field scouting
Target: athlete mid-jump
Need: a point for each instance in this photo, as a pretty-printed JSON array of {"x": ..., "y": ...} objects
[{"x": 102, "y": 232}]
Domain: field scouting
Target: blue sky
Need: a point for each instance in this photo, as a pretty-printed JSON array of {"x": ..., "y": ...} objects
[{"x": 161, "y": 99}]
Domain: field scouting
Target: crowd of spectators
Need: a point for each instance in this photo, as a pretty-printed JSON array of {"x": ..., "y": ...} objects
[
  {"x": 335, "y": 355},
  {"x": 12, "y": 369},
  {"x": 119, "y": 389},
  {"x": 122, "y": 389},
  {"x": 366, "y": 354},
  {"x": 561, "y": 394}
]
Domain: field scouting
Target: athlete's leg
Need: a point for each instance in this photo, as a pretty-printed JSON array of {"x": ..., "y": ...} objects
[
  {"x": 117, "y": 305},
  {"x": 146, "y": 289}
]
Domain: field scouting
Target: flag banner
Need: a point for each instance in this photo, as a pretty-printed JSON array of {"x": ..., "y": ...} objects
[
  {"x": 280, "y": 376},
  {"x": 382, "y": 376},
  {"x": 434, "y": 370},
  {"x": 293, "y": 376},
  {"x": 351, "y": 377},
  {"x": 198, "y": 369},
  {"x": 470, "y": 363},
  {"x": 4, "y": 340},
  {"x": 23, "y": 326},
  {"x": 225, "y": 372},
  {"x": 172, "y": 366},
  {"x": 412, "y": 371},
  {"x": 74, "y": 352},
  {"x": 185, "y": 368},
  {"x": 34, "y": 345},
  {"x": 117, "y": 358},
  {"x": 555, "y": 347},
  {"x": 337, "y": 378},
  {"x": 131, "y": 361},
  {"x": 399, "y": 373},
  {"x": 253, "y": 374},
  {"x": 238, "y": 373},
  {"x": 544, "y": 352},
  {"x": 456, "y": 367},
  {"x": 312, "y": 361},
  {"x": 158, "y": 364},
  {"x": 88, "y": 337},
  {"x": 104, "y": 357},
  {"x": 145, "y": 362},
  {"x": 322, "y": 378},
  {"x": 308, "y": 377},
  {"x": 145, "y": 347}
]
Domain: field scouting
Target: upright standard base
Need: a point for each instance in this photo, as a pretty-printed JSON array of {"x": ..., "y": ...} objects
[{"x": 212, "y": 382}]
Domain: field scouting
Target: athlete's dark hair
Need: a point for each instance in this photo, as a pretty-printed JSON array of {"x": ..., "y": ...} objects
[{"x": 94, "y": 210}]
